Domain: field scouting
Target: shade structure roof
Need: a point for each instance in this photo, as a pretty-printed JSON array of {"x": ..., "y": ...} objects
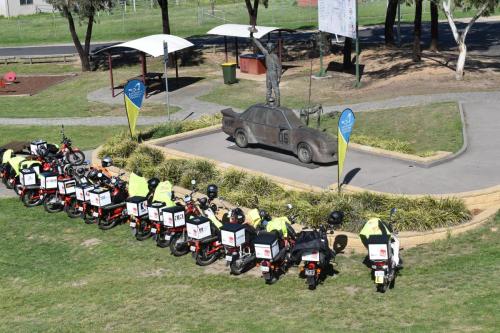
[
  {"x": 153, "y": 45},
  {"x": 240, "y": 30}
]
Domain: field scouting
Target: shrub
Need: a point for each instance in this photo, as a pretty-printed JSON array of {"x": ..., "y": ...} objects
[
  {"x": 388, "y": 144},
  {"x": 119, "y": 147},
  {"x": 144, "y": 160}
]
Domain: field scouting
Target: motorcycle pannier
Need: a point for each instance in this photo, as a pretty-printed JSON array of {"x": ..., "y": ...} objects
[
  {"x": 100, "y": 197},
  {"x": 48, "y": 180},
  {"x": 174, "y": 216},
  {"x": 137, "y": 206},
  {"x": 154, "y": 211},
  {"x": 27, "y": 177},
  {"x": 82, "y": 192},
  {"x": 66, "y": 186},
  {"x": 266, "y": 246},
  {"x": 198, "y": 228},
  {"x": 233, "y": 234},
  {"x": 37, "y": 144}
]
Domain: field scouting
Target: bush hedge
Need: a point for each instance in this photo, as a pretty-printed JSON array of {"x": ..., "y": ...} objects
[{"x": 243, "y": 189}]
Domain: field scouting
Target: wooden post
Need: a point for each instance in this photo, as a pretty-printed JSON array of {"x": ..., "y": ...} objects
[
  {"x": 225, "y": 46},
  {"x": 237, "y": 55},
  {"x": 143, "y": 66},
  {"x": 110, "y": 64}
]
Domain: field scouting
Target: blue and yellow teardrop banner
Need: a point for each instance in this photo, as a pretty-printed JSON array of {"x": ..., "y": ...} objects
[
  {"x": 134, "y": 95},
  {"x": 346, "y": 123}
]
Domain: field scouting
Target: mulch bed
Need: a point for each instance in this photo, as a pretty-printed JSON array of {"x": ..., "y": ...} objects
[{"x": 31, "y": 85}]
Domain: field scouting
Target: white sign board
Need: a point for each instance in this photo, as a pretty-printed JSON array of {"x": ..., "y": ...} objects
[{"x": 337, "y": 17}]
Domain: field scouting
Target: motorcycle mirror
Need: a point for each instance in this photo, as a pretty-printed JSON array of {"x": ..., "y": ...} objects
[
  {"x": 193, "y": 182},
  {"x": 289, "y": 206}
]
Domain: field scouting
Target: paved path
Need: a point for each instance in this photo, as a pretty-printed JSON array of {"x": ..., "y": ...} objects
[
  {"x": 477, "y": 168},
  {"x": 482, "y": 39},
  {"x": 193, "y": 108}
]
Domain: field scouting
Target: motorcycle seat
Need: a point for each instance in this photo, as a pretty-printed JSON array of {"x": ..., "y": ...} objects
[{"x": 114, "y": 206}]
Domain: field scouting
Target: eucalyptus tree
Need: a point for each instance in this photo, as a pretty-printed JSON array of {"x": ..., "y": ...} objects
[
  {"x": 85, "y": 11},
  {"x": 483, "y": 8}
]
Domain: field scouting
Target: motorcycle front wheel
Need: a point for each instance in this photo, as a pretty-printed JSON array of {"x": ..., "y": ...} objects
[
  {"x": 75, "y": 158},
  {"x": 52, "y": 203},
  {"x": 31, "y": 198},
  {"x": 178, "y": 245}
]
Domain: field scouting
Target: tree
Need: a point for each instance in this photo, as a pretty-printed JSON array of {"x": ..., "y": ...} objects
[
  {"x": 253, "y": 10},
  {"x": 390, "y": 18},
  {"x": 434, "y": 25},
  {"x": 417, "y": 31},
  {"x": 86, "y": 11},
  {"x": 483, "y": 7},
  {"x": 165, "y": 20}
]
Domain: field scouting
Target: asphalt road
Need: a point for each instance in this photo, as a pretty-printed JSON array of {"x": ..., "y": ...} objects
[
  {"x": 477, "y": 168},
  {"x": 482, "y": 38}
]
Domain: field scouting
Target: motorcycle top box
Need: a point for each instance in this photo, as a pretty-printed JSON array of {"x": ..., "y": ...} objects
[
  {"x": 67, "y": 186},
  {"x": 198, "y": 228},
  {"x": 233, "y": 234},
  {"x": 266, "y": 245},
  {"x": 174, "y": 216},
  {"x": 100, "y": 197},
  {"x": 154, "y": 211},
  {"x": 48, "y": 180},
  {"x": 27, "y": 177},
  {"x": 378, "y": 247},
  {"x": 137, "y": 206},
  {"x": 37, "y": 144},
  {"x": 82, "y": 192}
]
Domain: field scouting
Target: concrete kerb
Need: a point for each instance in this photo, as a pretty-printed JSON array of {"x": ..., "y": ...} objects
[{"x": 408, "y": 239}]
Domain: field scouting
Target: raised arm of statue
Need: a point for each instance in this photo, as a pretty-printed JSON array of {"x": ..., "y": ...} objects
[{"x": 260, "y": 46}]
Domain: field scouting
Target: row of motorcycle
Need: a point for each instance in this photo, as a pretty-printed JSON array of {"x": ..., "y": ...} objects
[{"x": 203, "y": 227}]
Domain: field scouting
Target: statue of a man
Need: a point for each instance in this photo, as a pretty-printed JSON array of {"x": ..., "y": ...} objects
[{"x": 273, "y": 74}]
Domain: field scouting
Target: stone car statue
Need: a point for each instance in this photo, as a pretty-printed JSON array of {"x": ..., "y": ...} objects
[{"x": 281, "y": 128}]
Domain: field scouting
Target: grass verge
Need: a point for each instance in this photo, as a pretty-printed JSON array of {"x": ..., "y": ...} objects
[
  {"x": 83, "y": 137},
  {"x": 420, "y": 130},
  {"x": 60, "y": 275}
]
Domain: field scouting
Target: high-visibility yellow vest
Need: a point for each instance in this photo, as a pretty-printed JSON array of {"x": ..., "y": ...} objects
[
  {"x": 278, "y": 224},
  {"x": 163, "y": 193},
  {"x": 137, "y": 186}
]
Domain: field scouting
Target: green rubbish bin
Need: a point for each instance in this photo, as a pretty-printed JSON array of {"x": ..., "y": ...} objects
[{"x": 229, "y": 72}]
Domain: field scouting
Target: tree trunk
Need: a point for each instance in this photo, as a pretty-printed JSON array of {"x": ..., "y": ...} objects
[
  {"x": 390, "y": 18},
  {"x": 434, "y": 26},
  {"x": 88, "y": 37},
  {"x": 462, "y": 49},
  {"x": 252, "y": 11},
  {"x": 84, "y": 56},
  {"x": 417, "y": 30},
  {"x": 165, "y": 20},
  {"x": 347, "y": 63}
]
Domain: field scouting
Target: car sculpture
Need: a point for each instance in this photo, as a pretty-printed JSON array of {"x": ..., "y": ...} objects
[{"x": 281, "y": 128}]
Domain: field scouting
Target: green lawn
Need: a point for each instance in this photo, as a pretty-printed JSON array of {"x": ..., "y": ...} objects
[
  {"x": 419, "y": 130},
  {"x": 60, "y": 275},
  {"x": 186, "y": 19},
  {"x": 69, "y": 98},
  {"x": 83, "y": 137}
]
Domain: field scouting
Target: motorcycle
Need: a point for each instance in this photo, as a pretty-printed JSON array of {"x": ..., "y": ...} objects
[
  {"x": 236, "y": 237},
  {"x": 313, "y": 250},
  {"x": 203, "y": 232},
  {"x": 273, "y": 246},
  {"x": 383, "y": 255},
  {"x": 173, "y": 231},
  {"x": 72, "y": 155}
]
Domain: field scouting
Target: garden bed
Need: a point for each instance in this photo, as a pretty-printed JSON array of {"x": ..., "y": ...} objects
[{"x": 31, "y": 85}]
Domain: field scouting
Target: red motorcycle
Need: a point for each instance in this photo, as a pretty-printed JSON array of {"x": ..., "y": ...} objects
[{"x": 109, "y": 204}]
